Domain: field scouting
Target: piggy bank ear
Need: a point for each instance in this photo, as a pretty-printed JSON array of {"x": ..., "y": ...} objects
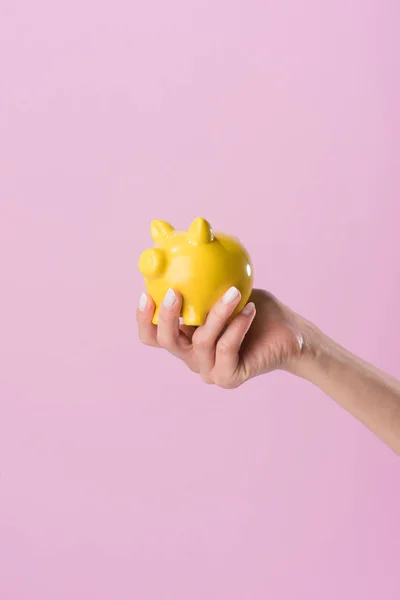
[
  {"x": 160, "y": 230},
  {"x": 200, "y": 232}
]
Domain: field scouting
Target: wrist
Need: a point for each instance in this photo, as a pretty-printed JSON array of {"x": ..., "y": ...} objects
[{"x": 318, "y": 354}]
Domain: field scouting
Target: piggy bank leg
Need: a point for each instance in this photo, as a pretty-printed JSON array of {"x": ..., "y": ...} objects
[
  {"x": 193, "y": 316},
  {"x": 155, "y": 316}
]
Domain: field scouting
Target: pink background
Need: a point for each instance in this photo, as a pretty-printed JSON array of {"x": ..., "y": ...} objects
[{"x": 122, "y": 476}]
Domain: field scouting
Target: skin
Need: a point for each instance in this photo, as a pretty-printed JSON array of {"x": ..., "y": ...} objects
[{"x": 265, "y": 336}]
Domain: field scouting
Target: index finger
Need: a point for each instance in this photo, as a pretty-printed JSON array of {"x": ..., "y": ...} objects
[{"x": 144, "y": 314}]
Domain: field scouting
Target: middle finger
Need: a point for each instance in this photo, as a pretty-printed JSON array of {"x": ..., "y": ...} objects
[{"x": 205, "y": 338}]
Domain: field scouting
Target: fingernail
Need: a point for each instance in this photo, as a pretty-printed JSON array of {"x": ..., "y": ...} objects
[
  {"x": 249, "y": 309},
  {"x": 169, "y": 299},
  {"x": 143, "y": 302},
  {"x": 230, "y": 295}
]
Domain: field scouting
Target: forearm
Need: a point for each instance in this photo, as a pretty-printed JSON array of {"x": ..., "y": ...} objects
[{"x": 367, "y": 393}]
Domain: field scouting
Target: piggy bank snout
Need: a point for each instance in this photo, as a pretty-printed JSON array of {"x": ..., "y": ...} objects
[{"x": 152, "y": 262}]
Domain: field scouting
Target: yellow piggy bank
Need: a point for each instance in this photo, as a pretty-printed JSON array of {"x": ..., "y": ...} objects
[{"x": 199, "y": 264}]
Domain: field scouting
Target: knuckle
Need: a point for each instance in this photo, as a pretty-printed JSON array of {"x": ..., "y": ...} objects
[
  {"x": 221, "y": 310},
  {"x": 207, "y": 379},
  {"x": 200, "y": 343},
  {"x": 219, "y": 317},
  {"x": 226, "y": 383},
  {"x": 164, "y": 340},
  {"x": 223, "y": 348},
  {"x": 143, "y": 336},
  {"x": 145, "y": 340}
]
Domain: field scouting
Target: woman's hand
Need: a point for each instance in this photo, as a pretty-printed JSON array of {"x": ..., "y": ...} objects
[{"x": 265, "y": 336}]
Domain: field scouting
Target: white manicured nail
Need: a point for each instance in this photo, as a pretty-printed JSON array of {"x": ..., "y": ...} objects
[
  {"x": 143, "y": 302},
  {"x": 230, "y": 295},
  {"x": 248, "y": 309},
  {"x": 169, "y": 299}
]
